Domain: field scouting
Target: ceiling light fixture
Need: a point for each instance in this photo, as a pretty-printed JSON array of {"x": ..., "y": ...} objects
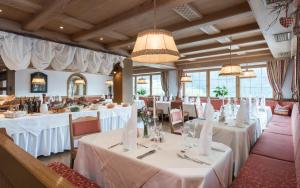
[
  {"x": 247, "y": 73},
  {"x": 155, "y": 45},
  {"x": 61, "y": 27},
  {"x": 101, "y": 38},
  {"x": 142, "y": 81},
  {"x": 109, "y": 82},
  {"x": 186, "y": 78},
  {"x": 229, "y": 69},
  {"x": 0, "y": 10}
]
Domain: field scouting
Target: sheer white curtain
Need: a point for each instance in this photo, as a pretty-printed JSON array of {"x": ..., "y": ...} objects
[
  {"x": 42, "y": 53},
  {"x": 64, "y": 55},
  {"x": 95, "y": 60},
  {"x": 80, "y": 62},
  {"x": 15, "y": 51}
]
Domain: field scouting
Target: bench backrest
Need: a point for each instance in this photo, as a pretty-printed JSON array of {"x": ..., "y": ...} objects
[
  {"x": 20, "y": 169},
  {"x": 295, "y": 119}
]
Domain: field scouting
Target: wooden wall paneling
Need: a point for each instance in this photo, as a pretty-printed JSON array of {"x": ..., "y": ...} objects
[{"x": 118, "y": 84}]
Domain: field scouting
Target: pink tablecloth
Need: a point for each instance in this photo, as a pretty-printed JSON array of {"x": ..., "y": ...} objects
[{"x": 117, "y": 168}]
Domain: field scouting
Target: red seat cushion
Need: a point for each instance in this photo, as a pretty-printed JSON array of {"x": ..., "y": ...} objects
[
  {"x": 72, "y": 176},
  {"x": 275, "y": 146},
  {"x": 260, "y": 171},
  {"x": 283, "y": 129},
  {"x": 281, "y": 119}
]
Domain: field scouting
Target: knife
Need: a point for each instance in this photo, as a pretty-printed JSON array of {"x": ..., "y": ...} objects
[
  {"x": 146, "y": 154},
  {"x": 120, "y": 143}
]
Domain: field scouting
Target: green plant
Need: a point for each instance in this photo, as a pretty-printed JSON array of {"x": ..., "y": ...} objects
[
  {"x": 141, "y": 92},
  {"x": 221, "y": 91}
]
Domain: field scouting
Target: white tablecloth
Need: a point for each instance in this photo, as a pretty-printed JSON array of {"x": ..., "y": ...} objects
[
  {"x": 118, "y": 168},
  {"x": 139, "y": 104},
  {"x": 187, "y": 107},
  {"x": 43, "y": 134},
  {"x": 239, "y": 139}
]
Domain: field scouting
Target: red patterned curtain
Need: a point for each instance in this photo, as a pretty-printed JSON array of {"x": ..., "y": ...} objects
[
  {"x": 179, "y": 83},
  {"x": 276, "y": 73},
  {"x": 294, "y": 87},
  {"x": 297, "y": 65}
]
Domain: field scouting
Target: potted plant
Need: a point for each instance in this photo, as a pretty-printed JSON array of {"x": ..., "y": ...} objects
[
  {"x": 221, "y": 92},
  {"x": 141, "y": 92}
]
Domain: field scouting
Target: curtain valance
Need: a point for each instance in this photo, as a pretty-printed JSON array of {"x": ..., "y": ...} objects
[{"x": 18, "y": 52}]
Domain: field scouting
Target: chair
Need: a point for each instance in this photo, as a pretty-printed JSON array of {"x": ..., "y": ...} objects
[
  {"x": 3, "y": 131},
  {"x": 80, "y": 127},
  {"x": 176, "y": 117},
  {"x": 179, "y": 105}
]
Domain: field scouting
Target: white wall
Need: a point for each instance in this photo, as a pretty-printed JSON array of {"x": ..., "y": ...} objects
[{"x": 57, "y": 83}]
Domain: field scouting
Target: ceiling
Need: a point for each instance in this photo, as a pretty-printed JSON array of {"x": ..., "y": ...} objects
[{"x": 202, "y": 29}]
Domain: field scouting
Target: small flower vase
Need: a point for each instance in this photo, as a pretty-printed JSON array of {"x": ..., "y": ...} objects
[{"x": 146, "y": 135}]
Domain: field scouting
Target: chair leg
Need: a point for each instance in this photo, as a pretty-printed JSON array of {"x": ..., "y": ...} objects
[{"x": 71, "y": 162}]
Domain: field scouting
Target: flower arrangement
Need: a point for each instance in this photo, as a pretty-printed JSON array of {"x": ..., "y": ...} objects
[{"x": 147, "y": 118}]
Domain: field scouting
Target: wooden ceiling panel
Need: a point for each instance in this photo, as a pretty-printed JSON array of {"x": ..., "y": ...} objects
[
  {"x": 54, "y": 25},
  {"x": 209, "y": 6},
  {"x": 96, "y": 11},
  {"x": 13, "y": 14}
]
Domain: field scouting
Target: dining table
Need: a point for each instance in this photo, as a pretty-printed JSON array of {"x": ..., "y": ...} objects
[
  {"x": 44, "y": 134},
  {"x": 240, "y": 137},
  {"x": 102, "y": 158}
]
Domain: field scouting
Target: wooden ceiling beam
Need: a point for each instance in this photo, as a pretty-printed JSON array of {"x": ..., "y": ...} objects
[
  {"x": 239, "y": 60},
  {"x": 49, "y": 11},
  {"x": 24, "y": 5},
  {"x": 210, "y": 19},
  {"x": 253, "y": 27},
  {"x": 223, "y": 57},
  {"x": 143, "y": 8},
  {"x": 258, "y": 47},
  {"x": 248, "y": 40}
]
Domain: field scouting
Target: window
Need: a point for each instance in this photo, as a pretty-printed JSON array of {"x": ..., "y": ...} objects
[
  {"x": 198, "y": 85},
  {"x": 228, "y": 81},
  {"x": 256, "y": 87},
  {"x": 156, "y": 85},
  {"x": 144, "y": 89}
]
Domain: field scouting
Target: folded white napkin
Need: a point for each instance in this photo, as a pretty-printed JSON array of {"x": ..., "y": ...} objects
[
  {"x": 243, "y": 115},
  {"x": 253, "y": 108},
  {"x": 170, "y": 98},
  {"x": 263, "y": 102},
  {"x": 161, "y": 98},
  {"x": 205, "y": 140},
  {"x": 186, "y": 99},
  {"x": 198, "y": 100},
  {"x": 208, "y": 109},
  {"x": 129, "y": 137}
]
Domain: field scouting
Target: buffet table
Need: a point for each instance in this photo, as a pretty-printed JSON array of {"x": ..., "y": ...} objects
[
  {"x": 240, "y": 138},
  {"x": 114, "y": 167},
  {"x": 43, "y": 134}
]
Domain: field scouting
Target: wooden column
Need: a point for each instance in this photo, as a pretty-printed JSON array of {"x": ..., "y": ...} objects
[
  {"x": 122, "y": 79},
  {"x": 118, "y": 85}
]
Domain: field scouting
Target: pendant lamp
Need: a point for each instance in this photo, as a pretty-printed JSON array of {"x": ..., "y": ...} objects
[
  {"x": 229, "y": 69},
  {"x": 155, "y": 46}
]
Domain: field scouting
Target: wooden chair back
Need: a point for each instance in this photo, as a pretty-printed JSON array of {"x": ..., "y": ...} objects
[
  {"x": 20, "y": 170},
  {"x": 175, "y": 117},
  {"x": 3, "y": 131},
  {"x": 176, "y": 104},
  {"x": 83, "y": 126}
]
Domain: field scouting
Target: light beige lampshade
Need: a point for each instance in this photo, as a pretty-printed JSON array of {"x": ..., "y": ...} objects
[
  {"x": 109, "y": 82},
  {"x": 248, "y": 74},
  {"x": 155, "y": 46},
  {"x": 38, "y": 80},
  {"x": 230, "y": 70},
  {"x": 186, "y": 78},
  {"x": 142, "y": 81},
  {"x": 79, "y": 81}
]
